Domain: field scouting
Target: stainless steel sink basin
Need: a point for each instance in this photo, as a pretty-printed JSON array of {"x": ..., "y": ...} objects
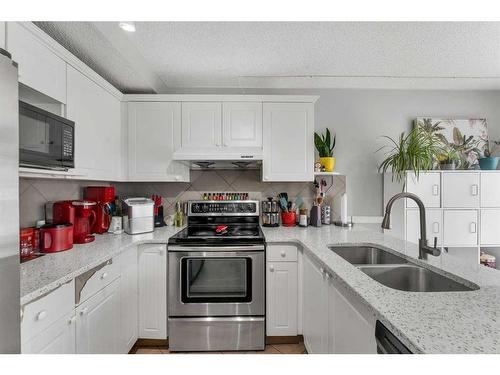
[
  {"x": 412, "y": 278},
  {"x": 367, "y": 255}
]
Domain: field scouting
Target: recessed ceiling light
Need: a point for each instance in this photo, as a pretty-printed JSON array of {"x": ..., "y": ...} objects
[{"x": 127, "y": 26}]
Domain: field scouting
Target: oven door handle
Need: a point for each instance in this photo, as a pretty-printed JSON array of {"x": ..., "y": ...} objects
[
  {"x": 220, "y": 249},
  {"x": 178, "y": 255}
]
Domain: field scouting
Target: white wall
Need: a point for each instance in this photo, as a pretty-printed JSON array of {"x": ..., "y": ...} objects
[{"x": 361, "y": 117}]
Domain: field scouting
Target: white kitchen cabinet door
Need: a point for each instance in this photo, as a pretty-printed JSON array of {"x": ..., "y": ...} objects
[
  {"x": 460, "y": 228},
  {"x": 154, "y": 133},
  {"x": 96, "y": 114},
  {"x": 427, "y": 187},
  {"x": 129, "y": 300},
  {"x": 490, "y": 227},
  {"x": 288, "y": 142},
  {"x": 58, "y": 338},
  {"x": 351, "y": 327},
  {"x": 490, "y": 186},
  {"x": 98, "y": 322},
  {"x": 282, "y": 309},
  {"x": 201, "y": 126},
  {"x": 242, "y": 124},
  {"x": 434, "y": 225},
  {"x": 315, "y": 308},
  {"x": 460, "y": 190},
  {"x": 39, "y": 67},
  {"x": 2, "y": 34},
  {"x": 152, "y": 292}
]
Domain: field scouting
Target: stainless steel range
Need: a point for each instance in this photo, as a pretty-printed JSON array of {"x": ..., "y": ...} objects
[{"x": 216, "y": 291}]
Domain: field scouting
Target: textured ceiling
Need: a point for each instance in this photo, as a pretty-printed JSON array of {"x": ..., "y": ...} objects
[{"x": 295, "y": 54}]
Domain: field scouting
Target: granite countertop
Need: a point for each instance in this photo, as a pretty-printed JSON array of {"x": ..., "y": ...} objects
[
  {"x": 41, "y": 275},
  {"x": 451, "y": 322}
]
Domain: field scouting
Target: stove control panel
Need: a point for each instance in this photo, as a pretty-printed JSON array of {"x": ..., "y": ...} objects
[{"x": 221, "y": 208}]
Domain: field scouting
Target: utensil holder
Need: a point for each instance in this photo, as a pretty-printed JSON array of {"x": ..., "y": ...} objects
[{"x": 288, "y": 219}]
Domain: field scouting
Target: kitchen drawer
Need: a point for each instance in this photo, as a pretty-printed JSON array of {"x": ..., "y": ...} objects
[
  {"x": 41, "y": 313},
  {"x": 92, "y": 281},
  {"x": 282, "y": 253}
]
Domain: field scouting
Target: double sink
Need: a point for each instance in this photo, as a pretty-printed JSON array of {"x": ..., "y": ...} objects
[{"x": 397, "y": 272}]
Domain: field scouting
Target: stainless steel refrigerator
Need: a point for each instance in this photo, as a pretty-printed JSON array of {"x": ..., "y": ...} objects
[{"x": 9, "y": 207}]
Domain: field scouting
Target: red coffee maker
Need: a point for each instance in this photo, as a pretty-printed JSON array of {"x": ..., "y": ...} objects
[
  {"x": 81, "y": 214},
  {"x": 104, "y": 196}
]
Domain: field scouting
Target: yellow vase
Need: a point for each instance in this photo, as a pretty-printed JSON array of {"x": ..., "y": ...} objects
[{"x": 328, "y": 163}]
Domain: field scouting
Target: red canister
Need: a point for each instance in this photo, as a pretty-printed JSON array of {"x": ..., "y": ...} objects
[
  {"x": 56, "y": 237},
  {"x": 288, "y": 219}
]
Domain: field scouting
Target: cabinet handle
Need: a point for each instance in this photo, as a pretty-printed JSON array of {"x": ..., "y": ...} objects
[
  {"x": 71, "y": 320},
  {"x": 435, "y": 189},
  {"x": 435, "y": 227},
  {"x": 41, "y": 315},
  {"x": 225, "y": 144},
  {"x": 271, "y": 268},
  {"x": 327, "y": 276},
  {"x": 104, "y": 275},
  {"x": 473, "y": 227},
  {"x": 283, "y": 253},
  {"x": 84, "y": 311},
  {"x": 177, "y": 178},
  {"x": 474, "y": 190},
  {"x": 322, "y": 270}
]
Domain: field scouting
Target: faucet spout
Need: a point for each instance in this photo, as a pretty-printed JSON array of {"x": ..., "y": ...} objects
[{"x": 424, "y": 249}]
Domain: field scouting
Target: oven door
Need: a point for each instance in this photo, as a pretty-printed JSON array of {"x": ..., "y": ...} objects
[{"x": 216, "y": 281}]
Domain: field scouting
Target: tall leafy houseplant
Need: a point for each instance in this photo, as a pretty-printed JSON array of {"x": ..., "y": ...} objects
[
  {"x": 325, "y": 145},
  {"x": 416, "y": 151}
]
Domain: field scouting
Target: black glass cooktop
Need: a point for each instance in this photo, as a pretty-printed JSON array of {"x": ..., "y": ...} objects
[{"x": 224, "y": 234}]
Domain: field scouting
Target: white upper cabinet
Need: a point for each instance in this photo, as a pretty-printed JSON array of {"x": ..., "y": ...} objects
[
  {"x": 490, "y": 184},
  {"x": 242, "y": 124},
  {"x": 39, "y": 67},
  {"x": 96, "y": 114},
  {"x": 288, "y": 142},
  {"x": 154, "y": 133},
  {"x": 201, "y": 125},
  {"x": 460, "y": 189},
  {"x": 427, "y": 187}
]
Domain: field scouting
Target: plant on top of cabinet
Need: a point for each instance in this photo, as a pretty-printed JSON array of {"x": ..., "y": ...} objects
[
  {"x": 416, "y": 151},
  {"x": 489, "y": 162},
  {"x": 325, "y": 145},
  {"x": 449, "y": 159}
]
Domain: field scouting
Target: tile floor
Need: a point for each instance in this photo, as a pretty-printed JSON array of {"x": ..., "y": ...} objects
[{"x": 270, "y": 349}]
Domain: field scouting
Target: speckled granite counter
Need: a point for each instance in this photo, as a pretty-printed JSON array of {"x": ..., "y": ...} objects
[
  {"x": 455, "y": 322},
  {"x": 46, "y": 273}
]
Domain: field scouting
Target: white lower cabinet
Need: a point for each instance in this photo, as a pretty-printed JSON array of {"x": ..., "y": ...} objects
[
  {"x": 98, "y": 323},
  {"x": 334, "y": 320},
  {"x": 129, "y": 300},
  {"x": 490, "y": 227},
  {"x": 315, "y": 309},
  {"x": 434, "y": 225},
  {"x": 282, "y": 309},
  {"x": 58, "y": 338},
  {"x": 152, "y": 291},
  {"x": 460, "y": 228},
  {"x": 351, "y": 327}
]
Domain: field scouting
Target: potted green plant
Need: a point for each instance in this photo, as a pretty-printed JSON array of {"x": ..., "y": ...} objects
[
  {"x": 449, "y": 159},
  {"x": 325, "y": 145},
  {"x": 416, "y": 151},
  {"x": 489, "y": 162}
]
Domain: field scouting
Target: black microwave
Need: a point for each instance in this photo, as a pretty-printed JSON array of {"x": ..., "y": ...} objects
[{"x": 45, "y": 139}]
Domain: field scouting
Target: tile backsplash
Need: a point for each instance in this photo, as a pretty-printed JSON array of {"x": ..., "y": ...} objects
[{"x": 34, "y": 193}]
